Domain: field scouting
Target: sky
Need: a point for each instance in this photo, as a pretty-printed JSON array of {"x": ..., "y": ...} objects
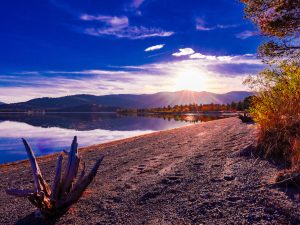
[{"x": 63, "y": 47}]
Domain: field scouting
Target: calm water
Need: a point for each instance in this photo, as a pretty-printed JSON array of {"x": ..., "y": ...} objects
[{"x": 48, "y": 133}]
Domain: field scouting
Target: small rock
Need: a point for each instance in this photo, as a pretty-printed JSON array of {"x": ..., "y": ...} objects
[
  {"x": 116, "y": 199},
  {"x": 229, "y": 178},
  {"x": 233, "y": 199},
  {"x": 149, "y": 195}
]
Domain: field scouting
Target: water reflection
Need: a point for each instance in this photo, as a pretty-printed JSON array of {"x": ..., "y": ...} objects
[
  {"x": 50, "y": 133},
  {"x": 189, "y": 117}
]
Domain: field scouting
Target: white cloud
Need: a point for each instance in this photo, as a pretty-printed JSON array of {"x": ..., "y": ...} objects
[
  {"x": 88, "y": 72},
  {"x": 201, "y": 56},
  {"x": 155, "y": 47},
  {"x": 183, "y": 52},
  {"x": 226, "y": 26},
  {"x": 201, "y": 25},
  {"x": 246, "y": 34},
  {"x": 61, "y": 136},
  {"x": 133, "y": 33},
  {"x": 119, "y": 27},
  {"x": 237, "y": 59},
  {"x": 225, "y": 58},
  {"x": 28, "y": 73},
  {"x": 219, "y": 73},
  {"x": 134, "y": 6},
  {"x": 197, "y": 56},
  {"x": 137, "y": 3},
  {"x": 203, "y": 28},
  {"x": 113, "y": 21}
]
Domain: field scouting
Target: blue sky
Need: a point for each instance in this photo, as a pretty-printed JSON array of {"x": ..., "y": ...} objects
[{"x": 63, "y": 47}]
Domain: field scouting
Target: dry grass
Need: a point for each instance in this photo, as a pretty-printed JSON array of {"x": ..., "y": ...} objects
[
  {"x": 282, "y": 144},
  {"x": 277, "y": 111}
]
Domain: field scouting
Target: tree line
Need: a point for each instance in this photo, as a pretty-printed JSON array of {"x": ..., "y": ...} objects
[{"x": 195, "y": 108}]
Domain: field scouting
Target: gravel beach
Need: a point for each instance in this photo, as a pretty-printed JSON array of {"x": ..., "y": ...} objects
[{"x": 198, "y": 174}]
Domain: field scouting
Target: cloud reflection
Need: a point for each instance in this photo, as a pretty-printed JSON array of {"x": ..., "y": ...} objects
[{"x": 48, "y": 140}]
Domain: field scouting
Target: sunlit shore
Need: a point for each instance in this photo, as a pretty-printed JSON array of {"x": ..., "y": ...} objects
[
  {"x": 90, "y": 127},
  {"x": 146, "y": 178}
]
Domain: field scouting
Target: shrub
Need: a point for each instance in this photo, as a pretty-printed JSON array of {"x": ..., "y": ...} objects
[{"x": 276, "y": 109}]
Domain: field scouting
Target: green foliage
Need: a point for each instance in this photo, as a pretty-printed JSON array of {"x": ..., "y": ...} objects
[
  {"x": 248, "y": 102},
  {"x": 279, "y": 96},
  {"x": 276, "y": 108}
]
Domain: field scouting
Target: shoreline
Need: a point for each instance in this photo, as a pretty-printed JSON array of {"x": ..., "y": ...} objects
[
  {"x": 51, "y": 156},
  {"x": 201, "y": 173}
]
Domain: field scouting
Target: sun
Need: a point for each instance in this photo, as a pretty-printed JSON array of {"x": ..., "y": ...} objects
[{"x": 191, "y": 78}]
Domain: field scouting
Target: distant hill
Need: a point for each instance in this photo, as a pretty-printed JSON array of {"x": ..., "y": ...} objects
[
  {"x": 2, "y": 103},
  {"x": 86, "y": 103}
]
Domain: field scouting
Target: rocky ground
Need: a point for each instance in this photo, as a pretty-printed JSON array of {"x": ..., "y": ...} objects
[{"x": 199, "y": 174}]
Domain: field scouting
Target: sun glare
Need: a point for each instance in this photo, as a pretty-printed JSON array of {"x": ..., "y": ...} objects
[{"x": 191, "y": 79}]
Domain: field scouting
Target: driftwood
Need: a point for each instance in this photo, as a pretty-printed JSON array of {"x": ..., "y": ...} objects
[
  {"x": 246, "y": 118},
  {"x": 66, "y": 190}
]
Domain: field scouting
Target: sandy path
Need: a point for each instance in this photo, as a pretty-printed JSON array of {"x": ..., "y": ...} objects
[{"x": 190, "y": 175}]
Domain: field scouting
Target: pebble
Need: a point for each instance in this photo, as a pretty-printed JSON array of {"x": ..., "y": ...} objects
[{"x": 229, "y": 178}]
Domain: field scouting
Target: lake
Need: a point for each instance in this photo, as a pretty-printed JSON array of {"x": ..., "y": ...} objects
[{"x": 49, "y": 133}]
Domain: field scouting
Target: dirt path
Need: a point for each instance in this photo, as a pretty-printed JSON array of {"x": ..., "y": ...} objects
[{"x": 197, "y": 174}]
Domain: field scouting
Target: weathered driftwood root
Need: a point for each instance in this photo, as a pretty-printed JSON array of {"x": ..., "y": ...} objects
[
  {"x": 66, "y": 190},
  {"x": 246, "y": 118}
]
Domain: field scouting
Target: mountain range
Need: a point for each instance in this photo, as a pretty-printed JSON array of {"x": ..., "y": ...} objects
[{"x": 108, "y": 103}]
